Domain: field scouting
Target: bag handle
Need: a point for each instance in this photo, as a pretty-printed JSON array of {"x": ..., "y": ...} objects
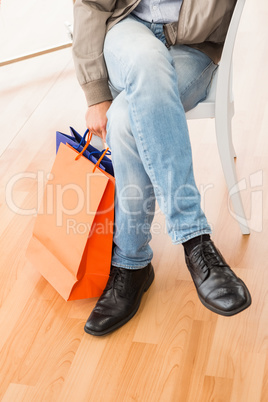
[
  {"x": 85, "y": 147},
  {"x": 100, "y": 159},
  {"x": 82, "y": 141}
]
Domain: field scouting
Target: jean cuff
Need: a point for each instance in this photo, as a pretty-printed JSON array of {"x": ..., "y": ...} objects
[
  {"x": 178, "y": 239},
  {"x": 132, "y": 267}
]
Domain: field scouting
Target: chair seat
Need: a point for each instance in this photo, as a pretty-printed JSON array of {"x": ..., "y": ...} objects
[{"x": 206, "y": 108}]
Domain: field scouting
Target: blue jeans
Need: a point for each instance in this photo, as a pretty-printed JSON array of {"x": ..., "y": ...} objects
[{"x": 147, "y": 132}]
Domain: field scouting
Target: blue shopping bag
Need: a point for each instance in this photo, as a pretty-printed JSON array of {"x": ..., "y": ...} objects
[{"x": 78, "y": 142}]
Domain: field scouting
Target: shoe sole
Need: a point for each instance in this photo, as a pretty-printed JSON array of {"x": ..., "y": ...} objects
[
  {"x": 227, "y": 313},
  {"x": 126, "y": 319}
]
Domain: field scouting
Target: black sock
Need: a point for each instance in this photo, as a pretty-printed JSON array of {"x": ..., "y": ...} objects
[{"x": 190, "y": 244}]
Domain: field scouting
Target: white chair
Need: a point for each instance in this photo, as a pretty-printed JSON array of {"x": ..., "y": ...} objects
[{"x": 220, "y": 105}]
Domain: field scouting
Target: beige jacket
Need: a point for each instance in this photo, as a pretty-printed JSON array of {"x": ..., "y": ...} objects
[{"x": 202, "y": 24}]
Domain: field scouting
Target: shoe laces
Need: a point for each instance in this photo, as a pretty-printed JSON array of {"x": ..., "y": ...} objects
[
  {"x": 211, "y": 256},
  {"x": 119, "y": 279},
  {"x": 208, "y": 258}
]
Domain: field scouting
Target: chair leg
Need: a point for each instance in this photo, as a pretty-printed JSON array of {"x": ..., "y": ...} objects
[
  {"x": 226, "y": 152},
  {"x": 230, "y": 116},
  {"x": 232, "y": 150}
]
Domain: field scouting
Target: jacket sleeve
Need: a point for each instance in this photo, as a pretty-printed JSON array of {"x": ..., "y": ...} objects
[{"x": 90, "y": 18}]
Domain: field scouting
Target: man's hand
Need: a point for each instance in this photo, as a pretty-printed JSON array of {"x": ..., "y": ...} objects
[{"x": 96, "y": 119}]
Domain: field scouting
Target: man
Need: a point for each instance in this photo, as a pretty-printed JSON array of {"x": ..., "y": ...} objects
[{"x": 142, "y": 64}]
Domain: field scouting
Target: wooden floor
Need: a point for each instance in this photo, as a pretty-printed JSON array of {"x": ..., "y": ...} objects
[{"x": 174, "y": 349}]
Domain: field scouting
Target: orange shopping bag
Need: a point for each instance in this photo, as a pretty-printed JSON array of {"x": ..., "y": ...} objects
[{"x": 71, "y": 245}]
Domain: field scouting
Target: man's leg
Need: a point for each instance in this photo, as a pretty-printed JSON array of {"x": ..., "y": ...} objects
[
  {"x": 135, "y": 195},
  {"x": 131, "y": 272},
  {"x": 135, "y": 201},
  {"x": 140, "y": 64}
]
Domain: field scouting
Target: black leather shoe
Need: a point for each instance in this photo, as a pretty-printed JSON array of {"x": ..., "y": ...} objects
[
  {"x": 218, "y": 288},
  {"x": 120, "y": 299}
]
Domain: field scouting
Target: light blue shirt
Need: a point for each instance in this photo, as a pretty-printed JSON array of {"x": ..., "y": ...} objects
[{"x": 158, "y": 11}]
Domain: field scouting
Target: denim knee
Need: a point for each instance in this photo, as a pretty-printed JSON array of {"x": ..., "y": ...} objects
[{"x": 118, "y": 121}]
